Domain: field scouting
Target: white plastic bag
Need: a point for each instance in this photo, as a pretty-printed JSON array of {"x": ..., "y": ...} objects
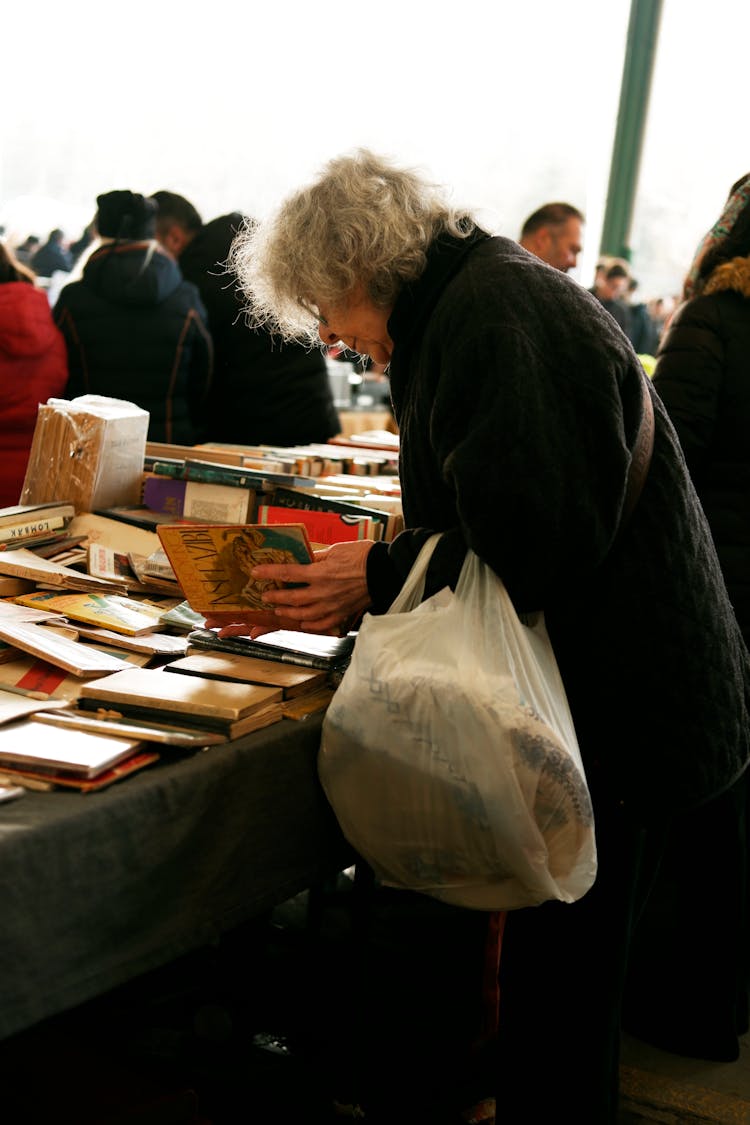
[{"x": 449, "y": 754}]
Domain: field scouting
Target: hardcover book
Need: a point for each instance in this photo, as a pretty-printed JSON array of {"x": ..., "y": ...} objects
[
  {"x": 199, "y": 500},
  {"x": 249, "y": 670},
  {"x": 185, "y": 700},
  {"x": 213, "y": 564},
  {"x": 83, "y": 754},
  {"x": 323, "y": 527},
  {"x": 31, "y": 530},
  {"x": 24, "y": 513},
  {"x": 312, "y": 501},
  {"x": 54, "y": 779}
]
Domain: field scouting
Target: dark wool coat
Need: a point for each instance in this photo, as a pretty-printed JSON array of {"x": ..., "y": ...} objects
[
  {"x": 33, "y": 368},
  {"x": 518, "y": 399},
  {"x": 135, "y": 330},
  {"x": 703, "y": 377},
  {"x": 264, "y": 391}
]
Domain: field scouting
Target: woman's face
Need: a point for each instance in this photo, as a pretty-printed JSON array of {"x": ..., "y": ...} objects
[{"x": 360, "y": 324}]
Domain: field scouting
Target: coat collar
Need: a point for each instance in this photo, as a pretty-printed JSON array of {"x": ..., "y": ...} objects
[
  {"x": 416, "y": 300},
  {"x": 732, "y": 275}
]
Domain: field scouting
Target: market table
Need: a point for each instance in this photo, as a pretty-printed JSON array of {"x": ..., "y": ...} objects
[{"x": 98, "y": 888}]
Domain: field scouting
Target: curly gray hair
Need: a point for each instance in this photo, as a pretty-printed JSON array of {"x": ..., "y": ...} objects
[{"x": 363, "y": 223}]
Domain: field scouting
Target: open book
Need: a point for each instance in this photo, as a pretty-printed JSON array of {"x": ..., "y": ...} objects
[{"x": 213, "y": 564}]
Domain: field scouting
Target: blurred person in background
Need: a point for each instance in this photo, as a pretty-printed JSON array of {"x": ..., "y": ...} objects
[
  {"x": 134, "y": 328},
  {"x": 643, "y": 332},
  {"x": 33, "y": 368},
  {"x": 53, "y": 257},
  {"x": 554, "y": 233},
  {"x": 610, "y": 286},
  {"x": 26, "y": 250},
  {"x": 265, "y": 390}
]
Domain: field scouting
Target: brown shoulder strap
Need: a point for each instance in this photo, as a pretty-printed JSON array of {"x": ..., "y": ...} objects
[{"x": 640, "y": 455}]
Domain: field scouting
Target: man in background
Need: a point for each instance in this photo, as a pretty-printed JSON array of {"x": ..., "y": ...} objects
[
  {"x": 610, "y": 287},
  {"x": 52, "y": 257},
  {"x": 554, "y": 233},
  {"x": 28, "y": 248},
  {"x": 264, "y": 392}
]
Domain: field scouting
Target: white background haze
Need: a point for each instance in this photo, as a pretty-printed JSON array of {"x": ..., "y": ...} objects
[{"x": 509, "y": 105}]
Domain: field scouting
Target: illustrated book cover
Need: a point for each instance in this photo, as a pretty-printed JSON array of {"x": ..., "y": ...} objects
[
  {"x": 109, "y": 611},
  {"x": 213, "y": 564}
]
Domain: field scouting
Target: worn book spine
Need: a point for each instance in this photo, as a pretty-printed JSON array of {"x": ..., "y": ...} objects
[{"x": 32, "y": 529}]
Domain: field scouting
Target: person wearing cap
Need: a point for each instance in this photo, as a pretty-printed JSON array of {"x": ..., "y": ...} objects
[
  {"x": 134, "y": 328},
  {"x": 265, "y": 390}
]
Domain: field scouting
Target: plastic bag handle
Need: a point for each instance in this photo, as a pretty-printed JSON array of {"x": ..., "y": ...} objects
[{"x": 412, "y": 591}]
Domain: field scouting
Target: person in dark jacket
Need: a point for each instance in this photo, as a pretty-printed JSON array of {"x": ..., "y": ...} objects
[
  {"x": 609, "y": 288},
  {"x": 518, "y": 401},
  {"x": 33, "y": 368},
  {"x": 134, "y": 328},
  {"x": 53, "y": 256},
  {"x": 265, "y": 391},
  {"x": 703, "y": 377}
]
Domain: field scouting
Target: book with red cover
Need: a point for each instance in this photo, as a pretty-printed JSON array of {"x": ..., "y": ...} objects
[{"x": 323, "y": 527}]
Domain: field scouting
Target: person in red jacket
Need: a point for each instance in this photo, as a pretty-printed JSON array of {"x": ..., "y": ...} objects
[{"x": 33, "y": 368}]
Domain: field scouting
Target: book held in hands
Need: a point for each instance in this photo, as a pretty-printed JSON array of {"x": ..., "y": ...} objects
[{"x": 214, "y": 563}]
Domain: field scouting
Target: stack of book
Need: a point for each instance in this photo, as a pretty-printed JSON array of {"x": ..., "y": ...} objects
[
  {"x": 34, "y": 525},
  {"x": 217, "y": 707}
]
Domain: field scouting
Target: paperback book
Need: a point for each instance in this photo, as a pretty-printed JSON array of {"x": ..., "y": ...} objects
[
  {"x": 47, "y": 644},
  {"x": 23, "y": 563},
  {"x": 214, "y": 563},
  {"x": 287, "y": 646},
  {"x": 109, "y": 611}
]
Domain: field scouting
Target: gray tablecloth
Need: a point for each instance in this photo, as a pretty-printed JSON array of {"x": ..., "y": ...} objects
[{"x": 97, "y": 888}]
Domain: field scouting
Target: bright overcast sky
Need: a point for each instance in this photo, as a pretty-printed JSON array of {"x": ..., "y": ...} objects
[{"x": 508, "y": 104}]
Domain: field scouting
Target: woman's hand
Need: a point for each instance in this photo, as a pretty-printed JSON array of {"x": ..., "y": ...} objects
[{"x": 333, "y": 595}]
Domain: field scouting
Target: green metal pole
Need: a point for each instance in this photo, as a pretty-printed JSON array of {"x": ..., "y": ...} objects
[{"x": 643, "y": 31}]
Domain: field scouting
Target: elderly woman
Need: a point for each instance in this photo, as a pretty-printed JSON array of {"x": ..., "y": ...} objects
[{"x": 519, "y": 402}]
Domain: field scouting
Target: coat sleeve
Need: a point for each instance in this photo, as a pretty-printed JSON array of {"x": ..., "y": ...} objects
[{"x": 688, "y": 377}]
